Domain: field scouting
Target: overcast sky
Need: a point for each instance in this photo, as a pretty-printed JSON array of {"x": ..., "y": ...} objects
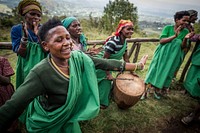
[
  {"x": 168, "y": 7},
  {"x": 157, "y": 7}
]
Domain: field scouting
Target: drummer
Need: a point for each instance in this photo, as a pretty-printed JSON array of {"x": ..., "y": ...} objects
[{"x": 115, "y": 48}]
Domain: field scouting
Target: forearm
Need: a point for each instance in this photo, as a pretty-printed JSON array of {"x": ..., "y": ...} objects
[
  {"x": 30, "y": 89},
  {"x": 133, "y": 66},
  {"x": 195, "y": 38},
  {"x": 166, "y": 40},
  {"x": 126, "y": 59},
  {"x": 184, "y": 43},
  {"x": 22, "y": 48},
  {"x": 108, "y": 64}
]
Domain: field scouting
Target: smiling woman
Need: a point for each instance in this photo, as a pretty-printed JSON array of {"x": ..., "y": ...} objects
[{"x": 62, "y": 89}]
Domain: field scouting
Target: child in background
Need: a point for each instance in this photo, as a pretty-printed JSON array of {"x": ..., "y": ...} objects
[{"x": 6, "y": 87}]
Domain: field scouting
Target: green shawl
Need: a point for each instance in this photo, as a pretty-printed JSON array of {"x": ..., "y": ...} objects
[
  {"x": 34, "y": 54},
  {"x": 82, "y": 101},
  {"x": 105, "y": 85}
]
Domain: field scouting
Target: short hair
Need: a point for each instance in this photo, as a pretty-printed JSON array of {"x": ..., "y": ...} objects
[
  {"x": 44, "y": 29},
  {"x": 179, "y": 15}
]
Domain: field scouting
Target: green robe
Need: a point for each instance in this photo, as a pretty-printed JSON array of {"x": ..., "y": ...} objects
[
  {"x": 59, "y": 102},
  {"x": 82, "y": 101},
  {"x": 105, "y": 85},
  {"x": 34, "y": 54},
  {"x": 166, "y": 60},
  {"x": 193, "y": 76}
]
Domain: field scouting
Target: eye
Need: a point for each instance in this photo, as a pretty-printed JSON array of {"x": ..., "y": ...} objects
[
  {"x": 59, "y": 39},
  {"x": 37, "y": 14}
]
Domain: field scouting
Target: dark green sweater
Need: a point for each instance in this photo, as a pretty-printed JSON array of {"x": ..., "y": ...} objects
[{"x": 45, "y": 81}]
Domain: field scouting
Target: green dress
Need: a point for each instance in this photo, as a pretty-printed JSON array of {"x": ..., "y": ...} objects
[
  {"x": 192, "y": 81},
  {"x": 58, "y": 102},
  {"x": 105, "y": 85},
  {"x": 34, "y": 54},
  {"x": 166, "y": 60}
]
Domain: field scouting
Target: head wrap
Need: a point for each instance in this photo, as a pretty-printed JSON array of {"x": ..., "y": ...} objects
[
  {"x": 25, "y": 6},
  {"x": 193, "y": 13},
  {"x": 67, "y": 21},
  {"x": 121, "y": 25}
]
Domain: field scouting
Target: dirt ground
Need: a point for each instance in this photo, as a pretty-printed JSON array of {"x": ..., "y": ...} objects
[{"x": 176, "y": 126}]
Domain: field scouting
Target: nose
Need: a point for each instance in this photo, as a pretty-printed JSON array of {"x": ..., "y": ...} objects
[{"x": 67, "y": 42}]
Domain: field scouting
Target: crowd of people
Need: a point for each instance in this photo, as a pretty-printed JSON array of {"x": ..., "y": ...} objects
[{"x": 60, "y": 81}]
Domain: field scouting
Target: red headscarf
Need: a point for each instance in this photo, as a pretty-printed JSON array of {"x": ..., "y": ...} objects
[{"x": 121, "y": 25}]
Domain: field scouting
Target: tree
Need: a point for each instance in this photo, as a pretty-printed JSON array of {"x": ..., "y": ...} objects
[{"x": 117, "y": 10}]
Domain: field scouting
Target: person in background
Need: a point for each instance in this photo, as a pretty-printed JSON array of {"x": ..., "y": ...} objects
[
  {"x": 62, "y": 89},
  {"x": 168, "y": 56},
  {"x": 192, "y": 20},
  {"x": 73, "y": 25},
  {"x": 192, "y": 85},
  {"x": 24, "y": 38},
  {"x": 192, "y": 81},
  {"x": 75, "y": 30},
  {"x": 115, "y": 48},
  {"x": 6, "y": 87}
]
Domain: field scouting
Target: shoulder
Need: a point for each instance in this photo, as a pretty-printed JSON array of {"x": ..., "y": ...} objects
[
  {"x": 169, "y": 27},
  {"x": 41, "y": 66},
  {"x": 113, "y": 40},
  {"x": 17, "y": 27}
]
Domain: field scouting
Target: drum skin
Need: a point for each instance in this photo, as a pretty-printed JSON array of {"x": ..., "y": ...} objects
[{"x": 128, "y": 89}]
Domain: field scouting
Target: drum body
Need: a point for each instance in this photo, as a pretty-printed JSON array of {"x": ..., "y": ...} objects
[{"x": 128, "y": 89}]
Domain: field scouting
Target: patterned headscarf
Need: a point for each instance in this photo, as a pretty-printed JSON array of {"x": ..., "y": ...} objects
[
  {"x": 25, "y": 6},
  {"x": 121, "y": 25}
]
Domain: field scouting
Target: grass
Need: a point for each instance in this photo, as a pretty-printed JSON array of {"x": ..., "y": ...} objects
[{"x": 146, "y": 116}]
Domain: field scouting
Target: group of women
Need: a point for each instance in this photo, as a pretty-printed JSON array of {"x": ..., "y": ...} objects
[{"x": 59, "y": 82}]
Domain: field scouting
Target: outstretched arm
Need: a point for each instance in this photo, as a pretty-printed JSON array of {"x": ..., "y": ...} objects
[{"x": 116, "y": 65}]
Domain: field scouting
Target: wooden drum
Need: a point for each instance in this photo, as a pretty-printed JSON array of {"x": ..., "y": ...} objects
[{"x": 128, "y": 89}]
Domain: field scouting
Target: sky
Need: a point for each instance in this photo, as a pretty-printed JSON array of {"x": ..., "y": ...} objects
[{"x": 165, "y": 8}]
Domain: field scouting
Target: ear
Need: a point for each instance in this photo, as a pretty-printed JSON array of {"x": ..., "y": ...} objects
[{"x": 45, "y": 46}]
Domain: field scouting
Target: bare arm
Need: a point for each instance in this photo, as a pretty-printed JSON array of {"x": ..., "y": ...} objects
[
  {"x": 126, "y": 59},
  {"x": 169, "y": 39}
]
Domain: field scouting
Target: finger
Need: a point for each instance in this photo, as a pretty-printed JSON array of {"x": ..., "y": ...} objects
[{"x": 94, "y": 46}]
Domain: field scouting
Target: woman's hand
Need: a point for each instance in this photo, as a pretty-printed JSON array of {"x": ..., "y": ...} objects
[
  {"x": 36, "y": 27},
  {"x": 24, "y": 28},
  {"x": 143, "y": 61},
  {"x": 109, "y": 76},
  {"x": 189, "y": 35}
]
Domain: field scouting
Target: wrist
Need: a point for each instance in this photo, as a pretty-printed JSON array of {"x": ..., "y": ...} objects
[
  {"x": 24, "y": 41},
  {"x": 24, "y": 38},
  {"x": 140, "y": 66}
]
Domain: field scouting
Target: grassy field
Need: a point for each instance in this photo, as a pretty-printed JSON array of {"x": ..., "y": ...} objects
[{"x": 150, "y": 115}]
